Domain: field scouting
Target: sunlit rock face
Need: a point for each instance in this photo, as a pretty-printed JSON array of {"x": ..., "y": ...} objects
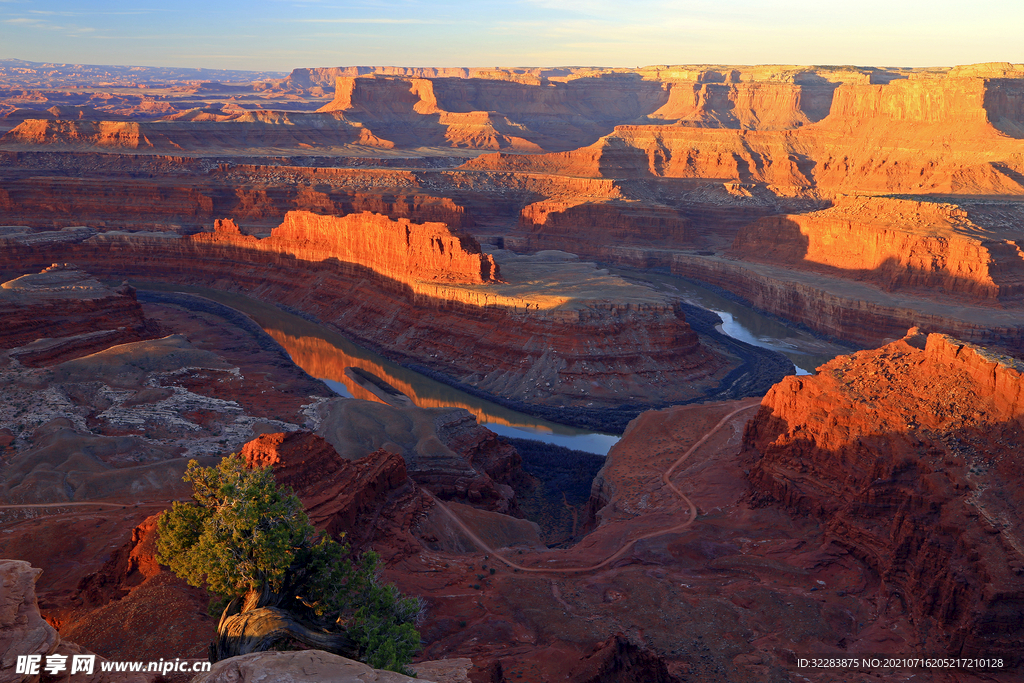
[
  {"x": 909, "y": 454},
  {"x": 398, "y": 249},
  {"x": 932, "y": 249}
]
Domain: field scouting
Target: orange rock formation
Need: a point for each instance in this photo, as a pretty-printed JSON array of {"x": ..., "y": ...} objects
[
  {"x": 909, "y": 455},
  {"x": 401, "y": 250},
  {"x": 339, "y": 495},
  {"x": 932, "y": 248},
  {"x": 938, "y": 134}
]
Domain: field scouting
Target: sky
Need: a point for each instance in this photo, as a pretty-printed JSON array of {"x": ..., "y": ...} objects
[{"x": 280, "y": 35}]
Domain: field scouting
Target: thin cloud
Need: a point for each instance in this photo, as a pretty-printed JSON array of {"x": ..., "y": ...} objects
[{"x": 368, "y": 21}]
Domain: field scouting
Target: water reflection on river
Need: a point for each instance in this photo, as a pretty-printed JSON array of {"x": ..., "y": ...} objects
[{"x": 325, "y": 355}]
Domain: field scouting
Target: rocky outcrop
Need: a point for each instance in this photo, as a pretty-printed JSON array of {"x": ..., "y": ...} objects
[
  {"x": 620, "y": 661},
  {"x": 24, "y": 633},
  {"x": 427, "y": 439},
  {"x": 909, "y": 456},
  {"x": 63, "y": 312},
  {"x": 459, "y": 431},
  {"x": 128, "y": 566},
  {"x": 340, "y": 495},
  {"x": 305, "y": 666},
  {"x": 933, "y": 249},
  {"x": 401, "y": 250},
  {"x": 22, "y": 630},
  {"x": 589, "y": 228}
]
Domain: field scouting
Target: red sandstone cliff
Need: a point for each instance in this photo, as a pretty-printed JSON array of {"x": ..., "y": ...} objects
[
  {"x": 341, "y": 496},
  {"x": 908, "y": 454},
  {"x": 748, "y": 106},
  {"x": 569, "y": 224},
  {"x": 401, "y": 250},
  {"x": 932, "y": 248},
  {"x": 494, "y": 113},
  {"x": 938, "y": 134}
]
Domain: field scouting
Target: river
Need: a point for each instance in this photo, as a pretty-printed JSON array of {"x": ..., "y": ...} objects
[{"x": 325, "y": 354}]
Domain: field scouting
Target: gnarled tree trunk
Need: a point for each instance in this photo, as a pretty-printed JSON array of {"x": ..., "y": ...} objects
[{"x": 256, "y": 630}]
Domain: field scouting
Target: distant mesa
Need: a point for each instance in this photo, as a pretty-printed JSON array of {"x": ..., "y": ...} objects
[{"x": 933, "y": 249}]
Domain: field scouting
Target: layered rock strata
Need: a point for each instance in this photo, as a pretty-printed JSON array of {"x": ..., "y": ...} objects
[
  {"x": 948, "y": 134},
  {"x": 339, "y": 495},
  {"x": 186, "y": 194},
  {"x": 63, "y": 312},
  {"x": 909, "y": 455},
  {"x": 443, "y": 449},
  {"x": 583, "y": 227},
  {"x": 856, "y": 312},
  {"x": 929, "y": 248}
]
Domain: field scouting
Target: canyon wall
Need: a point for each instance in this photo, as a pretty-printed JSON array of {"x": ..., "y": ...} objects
[
  {"x": 748, "y": 106},
  {"x": 933, "y": 249},
  {"x": 908, "y": 456},
  {"x": 581, "y": 226},
  {"x": 189, "y": 193},
  {"x": 400, "y": 250},
  {"x": 62, "y": 312},
  {"x": 262, "y": 130},
  {"x": 938, "y": 134},
  {"x": 850, "y": 311}
]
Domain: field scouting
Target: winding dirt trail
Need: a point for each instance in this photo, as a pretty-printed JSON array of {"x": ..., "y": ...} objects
[{"x": 628, "y": 545}]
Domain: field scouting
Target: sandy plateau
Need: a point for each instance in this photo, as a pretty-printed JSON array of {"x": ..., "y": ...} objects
[{"x": 523, "y": 239}]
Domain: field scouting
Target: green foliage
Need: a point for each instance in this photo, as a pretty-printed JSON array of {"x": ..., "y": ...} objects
[
  {"x": 383, "y": 625},
  {"x": 241, "y": 535},
  {"x": 245, "y": 537}
]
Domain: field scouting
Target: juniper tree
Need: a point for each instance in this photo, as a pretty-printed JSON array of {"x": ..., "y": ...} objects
[{"x": 250, "y": 542}]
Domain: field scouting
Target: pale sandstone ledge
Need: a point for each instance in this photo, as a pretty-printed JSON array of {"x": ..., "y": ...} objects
[
  {"x": 59, "y": 281},
  {"x": 315, "y": 666}
]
